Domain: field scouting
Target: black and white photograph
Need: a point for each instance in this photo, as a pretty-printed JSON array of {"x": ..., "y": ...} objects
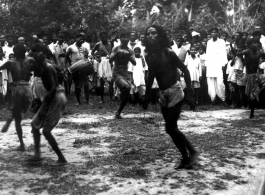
[{"x": 132, "y": 97}]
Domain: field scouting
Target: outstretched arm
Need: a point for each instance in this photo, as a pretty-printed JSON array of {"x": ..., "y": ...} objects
[
  {"x": 95, "y": 49},
  {"x": 113, "y": 54},
  {"x": 182, "y": 67},
  {"x": 5, "y": 65},
  {"x": 132, "y": 58}
]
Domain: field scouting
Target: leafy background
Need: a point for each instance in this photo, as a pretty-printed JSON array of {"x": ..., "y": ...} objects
[{"x": 25, "y": 17}]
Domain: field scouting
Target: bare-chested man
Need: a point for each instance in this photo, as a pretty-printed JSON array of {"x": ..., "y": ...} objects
[
  {"x": 52, "y": 107},
  {"x": 163, "y": 63},
  {"x": 74, "y": 53},
  {"x": 122, "y": 55},
  {"x": 20, "y": 70},
  {"x": 104, "y": 71}
]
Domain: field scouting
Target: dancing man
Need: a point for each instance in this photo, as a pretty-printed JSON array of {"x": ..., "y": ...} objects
[
  {"x": 163, "y": 63},
  {"x": 121, "y": 56},
  {"x": 20, "y": 70},
  {"x": 52, "y": 107}
]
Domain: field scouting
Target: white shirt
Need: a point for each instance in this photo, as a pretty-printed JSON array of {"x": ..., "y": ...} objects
[
  {"x": 77, "y": 53},
  {"x": 194, "y": 67},
  {"x": 216, "y": 58},
  {"x": 262, "y": 41},
  {"x": 87, "y": 46},
  {"x": 138, "y": 72},
  {"x": 7, "y": 51},
  {"x": 51, "y": 47},
  {"x": 59, "y": 49},
  {"x": 117, "y": 43}
]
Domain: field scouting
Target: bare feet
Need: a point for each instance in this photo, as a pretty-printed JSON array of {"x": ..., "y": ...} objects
[
  {"x": 193, "y": 159},
  {"x": 182, "y": 164},
  {"x": 6, "y": 126},
  {"x": 118, "y": 116},
  {"x": 20, "y": 148}
]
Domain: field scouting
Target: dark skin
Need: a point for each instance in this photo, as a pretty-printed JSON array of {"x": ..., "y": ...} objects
[
  {"x": 102, "y": 53},
  {"x": 21, "y": 71},
  {"x": 79, "y": 41},
  {"x": 163, "y": 64},
  {"x": 179, "y": 42},
  {"x": 10, "y": 42},
  {"x": 49, "y": 79},
  {"x": 124, "y": 51},
  {"x": 104, "y": 40},
  {"x": 121, "y": 55},
  {"x": 164, "y": 70}
]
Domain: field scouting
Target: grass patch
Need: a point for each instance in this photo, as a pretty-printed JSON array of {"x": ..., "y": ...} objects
[{"x": 78, "y": 143}]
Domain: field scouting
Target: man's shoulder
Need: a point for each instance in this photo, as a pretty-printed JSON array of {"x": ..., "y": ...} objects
[
  {"x": 169, "y": 51},
  {"x": 221, "y": 41},
  {"x": 116, "y": 48},
  {"x": 86, "y": 44}
]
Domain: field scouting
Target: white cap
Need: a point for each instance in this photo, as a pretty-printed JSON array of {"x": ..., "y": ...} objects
[{"x": 194, "y": 33}]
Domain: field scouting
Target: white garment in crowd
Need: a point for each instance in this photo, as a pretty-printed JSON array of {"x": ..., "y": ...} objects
[
  {"x": 139, "y": 72},
  {"x": 262, "y": 41},
  {"x": 216, "y": 58},
  {"x": 4, "y": 79},
  {"x": 194, "y": 67},
  {"x": 7, "y": 51}
]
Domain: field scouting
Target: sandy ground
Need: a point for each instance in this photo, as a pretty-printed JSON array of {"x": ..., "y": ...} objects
[{"x": 16, "y": 177}]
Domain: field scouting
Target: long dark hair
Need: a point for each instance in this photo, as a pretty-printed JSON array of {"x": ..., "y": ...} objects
[
  {"x": 163, "y": 40},
  {"x": 19, "y": 51}
]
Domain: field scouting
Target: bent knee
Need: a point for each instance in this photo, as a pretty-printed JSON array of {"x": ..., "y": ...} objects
[
  {"x": 126, "y": 88},
  {"x": 46, "y": 133}
]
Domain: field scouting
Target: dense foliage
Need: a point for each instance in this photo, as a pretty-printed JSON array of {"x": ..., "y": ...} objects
[{"x": 24, "y": 17}]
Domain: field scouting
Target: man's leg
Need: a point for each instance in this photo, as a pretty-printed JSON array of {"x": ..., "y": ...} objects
[
  {"x": 220, "y": 88},
  {"x": 188, "y": 152},
  {"x": 211, "y": 88},
  {"x": 125, "y": 97},
  {"x": 86, "y": 90},
  {"x": 111, "y": 89},
  {"x": 102, "y": 84},
  {"x": 78, "y": 89},
  {"x": 49, "y": 137},
  {"x": 36, "y": 137},
  {"x": 18, "y": 117},
  {"x": 78, "y": 95}
]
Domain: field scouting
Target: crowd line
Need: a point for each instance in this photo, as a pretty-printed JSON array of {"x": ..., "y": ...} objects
[{"x": 138, "y": 67}]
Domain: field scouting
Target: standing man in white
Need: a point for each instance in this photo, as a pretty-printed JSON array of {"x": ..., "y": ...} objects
[{"x": 216, "y": 59}]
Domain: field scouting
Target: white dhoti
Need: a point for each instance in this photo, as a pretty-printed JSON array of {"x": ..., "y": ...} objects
[
  {"x": 38, "y": 90},
  {"x": 104, "y": 69},
  {"x": 216, "y": 87}
]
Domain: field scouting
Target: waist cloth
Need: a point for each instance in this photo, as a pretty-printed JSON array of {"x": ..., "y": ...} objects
[
  {"x": 104, "y": 69},
  {"x": 53, "y": 112},
  {"x": 171, "y": 96},
  {"x": 38, "y": 89},
  {"x": 241, "y": 78},
  {"x": 251, "y": 79},
  {"x": 21, "y": 96},
  {"x": 122, "y": 79}
]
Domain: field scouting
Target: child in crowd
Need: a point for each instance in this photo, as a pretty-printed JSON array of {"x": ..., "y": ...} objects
[
  {"x": 231, "y": 79},
  {"x": 193, "y": 64},
  {"x": 11, "y": 56},
  {"x": 138, "y": 75}
]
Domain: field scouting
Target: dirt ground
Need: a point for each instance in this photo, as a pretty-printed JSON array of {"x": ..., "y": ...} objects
[{"x": 135, "y": 155}]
